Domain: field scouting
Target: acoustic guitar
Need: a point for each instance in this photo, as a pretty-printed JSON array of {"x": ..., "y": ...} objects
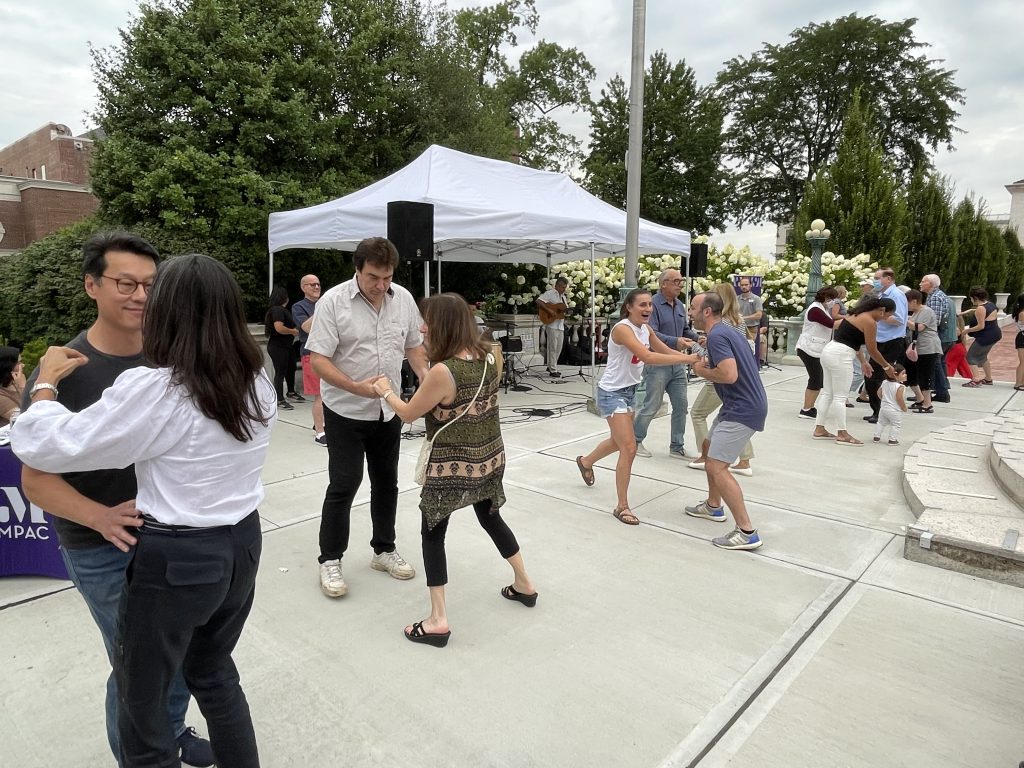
[{"x": 548, "y": 313}]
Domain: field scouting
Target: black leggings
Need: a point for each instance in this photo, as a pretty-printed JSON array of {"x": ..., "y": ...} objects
[
  {"x": 435, "y": 562},
  {"x": 284, "y": 359},
  {"x": 921, "y": 371}
]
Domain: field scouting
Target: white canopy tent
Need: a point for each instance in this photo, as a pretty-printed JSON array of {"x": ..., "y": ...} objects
[{"x": 484, "y": 211}]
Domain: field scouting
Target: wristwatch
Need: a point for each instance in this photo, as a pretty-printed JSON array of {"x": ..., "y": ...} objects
[{"x": 40, "y": 387}]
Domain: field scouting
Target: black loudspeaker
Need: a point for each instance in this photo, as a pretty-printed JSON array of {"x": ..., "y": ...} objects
[
  {"x": 411, "y": 229},
  {"x": 698, "y": 259}
]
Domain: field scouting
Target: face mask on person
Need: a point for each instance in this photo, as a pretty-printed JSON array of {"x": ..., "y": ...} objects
[{"x": 876, "y": 284}]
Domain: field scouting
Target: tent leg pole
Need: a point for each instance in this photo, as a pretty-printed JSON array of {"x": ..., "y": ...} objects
[
  {"x": 270, "y": 275},
  {"x": 426, "y": 279},
  {"x": 593, "y": 328}
]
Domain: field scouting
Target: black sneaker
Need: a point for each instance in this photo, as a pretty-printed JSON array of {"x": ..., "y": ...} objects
[
  {"x": 195, "y": 750},
  {"x": 553, "y": 373},
  {"x": 871, "y": 419},
  {"x": 321, "y": 439},
  {"x": 284, "y": 405},
  {"x": 296, "y": 397},
  {"x": 940, "y": 398},
  {"x": 809, "y": 413}
]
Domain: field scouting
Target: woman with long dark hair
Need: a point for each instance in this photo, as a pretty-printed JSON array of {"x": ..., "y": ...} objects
[
  {"x": 459, "y": 397},
  {"x": 196, "y": 425},
  {"x": 857, "y": 330},
  {"x": 12, "y": 382},
  {"x": 631, "y": 345},
  {"x": 281, "y": 335}
]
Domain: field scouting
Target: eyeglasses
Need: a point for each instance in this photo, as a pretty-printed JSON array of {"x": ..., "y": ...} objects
[
  {"x": 126, "y": 286},
  {"x": 677, "y": 281},
  {"x": 311, "y": 285}
]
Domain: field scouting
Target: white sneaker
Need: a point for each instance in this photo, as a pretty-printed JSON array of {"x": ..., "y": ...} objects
[
  {"x": 332, "y": 583},
  {"x": 394, "y": 564},
  {"x": 641, "y": 451}
]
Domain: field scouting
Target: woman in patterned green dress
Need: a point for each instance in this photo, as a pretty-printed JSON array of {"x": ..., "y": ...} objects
[{"x": 468, "y": 458}]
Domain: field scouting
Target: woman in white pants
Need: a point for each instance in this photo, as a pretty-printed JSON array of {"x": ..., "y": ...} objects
[{"x": 837, "y": 358}]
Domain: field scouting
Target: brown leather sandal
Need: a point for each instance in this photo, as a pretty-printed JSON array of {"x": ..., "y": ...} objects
[
  {"x": 586, "y": 472},
  {"x": 624, "y": 515}
]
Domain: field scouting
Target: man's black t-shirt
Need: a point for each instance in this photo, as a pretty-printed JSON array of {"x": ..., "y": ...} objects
[{"x": 78, "y": 391}]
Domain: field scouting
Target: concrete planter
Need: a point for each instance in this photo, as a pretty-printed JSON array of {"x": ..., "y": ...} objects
[{"x": 1001, "y": 300}]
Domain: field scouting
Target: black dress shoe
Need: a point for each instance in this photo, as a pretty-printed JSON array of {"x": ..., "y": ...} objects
[
  {"x": 940, "y": 399},
  {"x": 871, "y": 419}
]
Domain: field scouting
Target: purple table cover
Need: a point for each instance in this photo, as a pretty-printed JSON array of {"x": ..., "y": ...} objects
[{"x": 28, "y": 540}]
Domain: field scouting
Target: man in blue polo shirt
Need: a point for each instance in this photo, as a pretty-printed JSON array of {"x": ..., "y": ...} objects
[
  {"x": 668, "y": 321},
  {"x": 732, "y": 370},
  {"x": 891, "y": 336}
]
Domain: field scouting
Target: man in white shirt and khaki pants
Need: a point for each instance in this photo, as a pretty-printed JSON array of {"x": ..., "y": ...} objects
[
  {"x": 552, "y": 304},
  {"x": 362, "y": 329}
]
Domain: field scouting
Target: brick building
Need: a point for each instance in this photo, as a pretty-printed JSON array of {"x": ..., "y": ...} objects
[{"x": 44, "y": 185}]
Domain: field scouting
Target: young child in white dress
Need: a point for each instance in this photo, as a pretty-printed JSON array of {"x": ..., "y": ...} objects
[{"x": 894, "y": 405}]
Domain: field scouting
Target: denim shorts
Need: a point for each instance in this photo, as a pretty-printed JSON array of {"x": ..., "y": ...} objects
[{"x": 615, "y": 401}]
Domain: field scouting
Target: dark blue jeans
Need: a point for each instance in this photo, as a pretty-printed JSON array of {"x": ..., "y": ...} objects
[
  {"x": 99, "y": 574},
  {"x": 940, "y": 381}
]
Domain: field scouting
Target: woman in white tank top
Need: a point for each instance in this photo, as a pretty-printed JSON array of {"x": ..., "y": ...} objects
[{"x": 630, "y": 346}]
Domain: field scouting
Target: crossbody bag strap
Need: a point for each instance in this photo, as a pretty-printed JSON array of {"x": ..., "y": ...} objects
[{"x": 470, "y": 403}]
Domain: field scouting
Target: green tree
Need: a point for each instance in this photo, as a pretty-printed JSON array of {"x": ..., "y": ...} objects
[
  {"x": 1014, "y": 264},
  {"x": 858, "y": 195},
  {"x": 786, "y": 104},
  {"x": 548, "y": 80},
  {"x": 684, "y": 181},
  {"x": 41, "y": 293},
  {"x": 930, "y": 229},
  {"x": 218, "y": 112}
]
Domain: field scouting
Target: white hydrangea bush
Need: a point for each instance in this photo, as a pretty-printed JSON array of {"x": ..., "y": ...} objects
[{"x": 784, "y": 278}]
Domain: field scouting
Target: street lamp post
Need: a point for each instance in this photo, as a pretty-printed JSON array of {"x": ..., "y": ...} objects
[{"x": 817, "y": 235}]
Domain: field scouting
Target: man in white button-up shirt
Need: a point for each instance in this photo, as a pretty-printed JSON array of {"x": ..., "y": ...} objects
[{"x": 363, "y": 329}]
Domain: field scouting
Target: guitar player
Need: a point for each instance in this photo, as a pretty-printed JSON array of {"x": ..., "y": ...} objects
[{"x": 551, "y": 308}]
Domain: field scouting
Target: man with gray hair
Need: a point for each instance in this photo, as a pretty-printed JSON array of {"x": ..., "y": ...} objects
[
  {"x": 668, "y": 321},
  {"x": 939, "y": 302}
]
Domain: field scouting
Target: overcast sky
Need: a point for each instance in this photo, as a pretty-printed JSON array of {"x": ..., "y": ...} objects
[{"x": 47, "y": 77}]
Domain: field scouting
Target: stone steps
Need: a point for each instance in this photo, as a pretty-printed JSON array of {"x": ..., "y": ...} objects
[{"x": 965, "y": 485}]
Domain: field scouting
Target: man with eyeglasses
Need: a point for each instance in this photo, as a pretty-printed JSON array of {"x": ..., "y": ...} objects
[
  {"x": 362, "y": 329},
  {"x": 302, "y": 314},
  {"x": 94, "y": 512},
  {"x": 669, "y": 323}
]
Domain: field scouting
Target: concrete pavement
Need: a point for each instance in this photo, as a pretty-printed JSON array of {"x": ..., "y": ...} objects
[{"x": 648, "y": 646}]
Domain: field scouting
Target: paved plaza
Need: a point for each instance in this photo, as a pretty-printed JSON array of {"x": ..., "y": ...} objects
[{"x": 648, "y": 646}]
